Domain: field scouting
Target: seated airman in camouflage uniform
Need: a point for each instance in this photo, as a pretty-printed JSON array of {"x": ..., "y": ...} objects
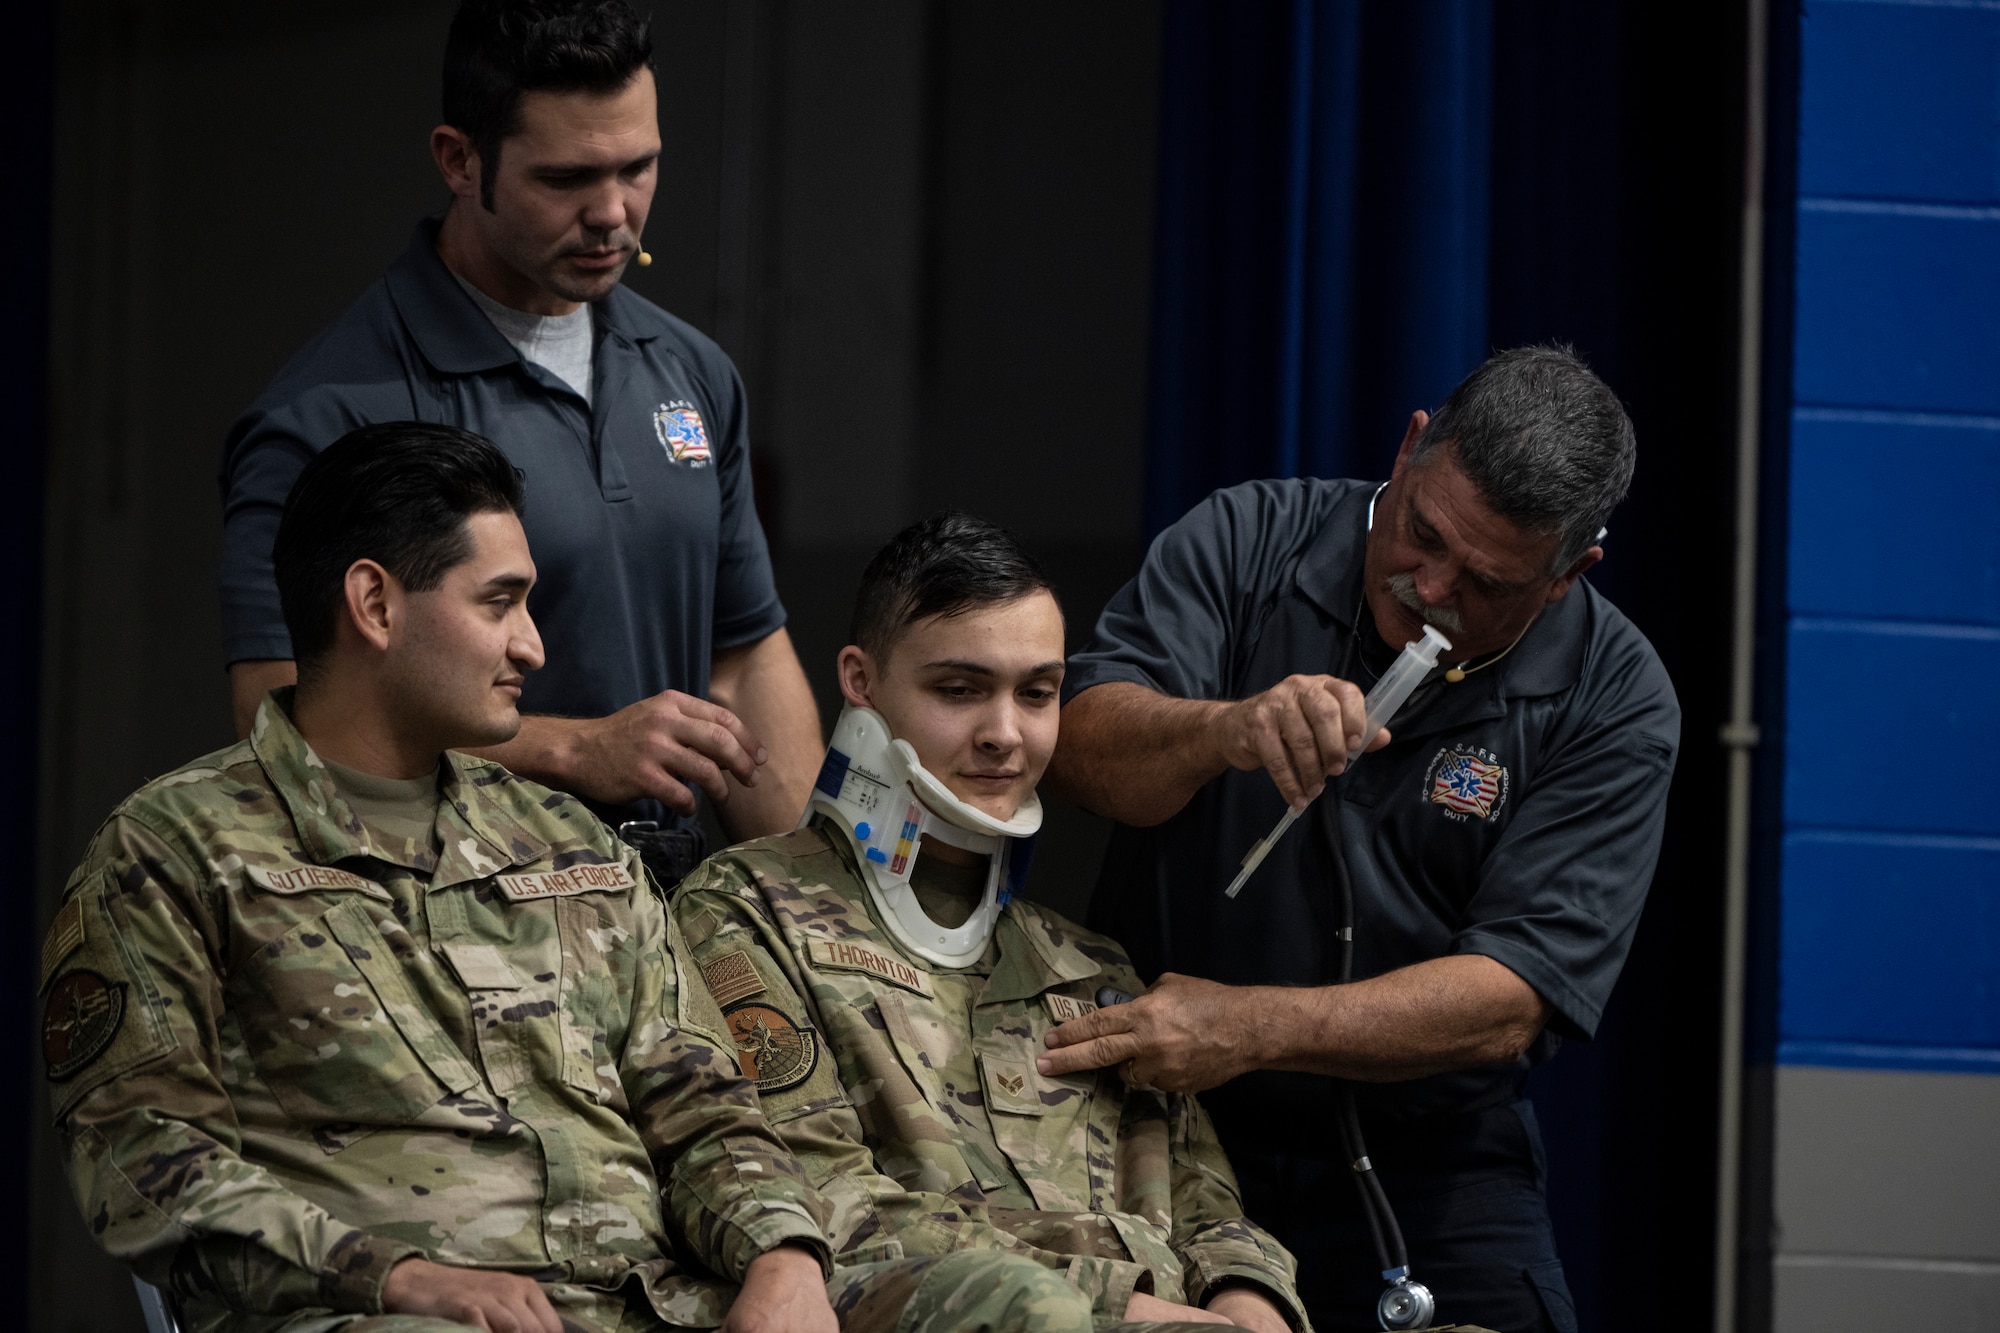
[
  {"x": 889, "y": 993},
  {"x": 345, "y": 1032}
]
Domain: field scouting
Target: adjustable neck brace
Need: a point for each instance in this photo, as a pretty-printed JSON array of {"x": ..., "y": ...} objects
[{"x": 874, "y": 788}]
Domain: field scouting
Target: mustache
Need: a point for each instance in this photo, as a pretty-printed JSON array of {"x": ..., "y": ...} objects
[
  {"x": 618, "y": 239},
  {"x": 1403, "y": 587}
]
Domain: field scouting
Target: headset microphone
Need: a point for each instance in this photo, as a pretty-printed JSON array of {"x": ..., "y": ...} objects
[{"x": 645, "y": 260}]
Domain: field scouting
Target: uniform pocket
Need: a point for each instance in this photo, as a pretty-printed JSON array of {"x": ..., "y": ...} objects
[
  {"x": 335, "y": 1030},
  {"x": 1553, "y": 1289},
  {"x": 1042, "y": 1123}
]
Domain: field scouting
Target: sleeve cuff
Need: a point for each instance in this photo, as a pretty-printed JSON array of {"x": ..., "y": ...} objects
[
  {"x": 1288, "y": 1304},
  {"x": 810, "y": 1240},
  {"x": 356, "y": 1272},
  {"x": 1088, "y": 675},
  {"x": 1575, "y": 1014},
  {"x": 1108, "y": 1282},
  {"x": 776, "y": 1225},
  {"x": 752, "y": 627}
]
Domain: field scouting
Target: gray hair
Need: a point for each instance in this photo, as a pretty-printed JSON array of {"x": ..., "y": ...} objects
[{"x": 1546, "y": 442}]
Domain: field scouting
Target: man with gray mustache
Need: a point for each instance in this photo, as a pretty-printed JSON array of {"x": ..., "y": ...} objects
[{"x": 1494, "y": 849}]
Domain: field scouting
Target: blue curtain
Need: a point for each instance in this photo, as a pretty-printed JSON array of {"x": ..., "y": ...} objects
[
  {"x": 1322, "y": 237},
  {"x": 1357, "y": 200}
]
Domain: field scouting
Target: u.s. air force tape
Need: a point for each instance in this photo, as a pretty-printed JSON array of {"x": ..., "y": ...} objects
[
  {"x": 563, "y": 883},
  {"x": 1063, "y": 1008}
]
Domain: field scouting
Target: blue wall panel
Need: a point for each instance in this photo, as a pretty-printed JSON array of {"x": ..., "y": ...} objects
[
  {"x": 1893, "y": 727},
  {"x": 1891, "y": 941},
  {"x": 1889, "y": 948},
  {"x": 1895, "y": 516},
  {"x": 1900, "y": 102},
  {"x": 1896, "y": 307}
]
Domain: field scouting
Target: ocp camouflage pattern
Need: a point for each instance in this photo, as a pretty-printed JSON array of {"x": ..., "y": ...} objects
[
  {"x": 314, "y": 1074},
  {"x": 925, "y": 1121}
]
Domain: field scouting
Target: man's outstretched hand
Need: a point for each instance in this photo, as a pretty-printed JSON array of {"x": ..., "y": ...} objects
[
  {"x": 1182, "y": 1035},
  {"x": 475, "y": 1297}
]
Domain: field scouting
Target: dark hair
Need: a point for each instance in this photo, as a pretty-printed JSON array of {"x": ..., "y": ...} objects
[
  {"x": 397, "y": 493},
  {"x": 499, "y": 49},
  {"x": 1546, "y": 442},
  {"x": 945, "y": 565}
]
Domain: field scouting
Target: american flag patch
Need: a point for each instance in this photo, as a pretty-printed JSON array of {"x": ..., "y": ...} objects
[
  {"x": 1467, "y": 785},
  {"x": 732, "y": 977}
]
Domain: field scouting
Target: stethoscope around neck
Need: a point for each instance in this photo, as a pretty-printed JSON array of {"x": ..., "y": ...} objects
[{"x": 1405, "y": 1303}]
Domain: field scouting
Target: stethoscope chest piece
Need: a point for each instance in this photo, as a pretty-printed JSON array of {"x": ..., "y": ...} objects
[{"x": 1405, "y": 1304}]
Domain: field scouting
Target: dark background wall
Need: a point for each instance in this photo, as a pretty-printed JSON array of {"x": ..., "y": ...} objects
[{"x": 921, "y": 230}]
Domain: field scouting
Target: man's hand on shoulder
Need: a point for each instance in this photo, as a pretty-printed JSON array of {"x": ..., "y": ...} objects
[
  {"x": 1183, "y": 1035},
  {"x": 783, "y": 1292},
  {"x": 477, "y": 1298},
  {"x": 1247, "y": 1307}
]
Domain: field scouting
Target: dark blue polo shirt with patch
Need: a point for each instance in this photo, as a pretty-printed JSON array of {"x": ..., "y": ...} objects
[
  {"x": 1516, "y": 814},
  {"x": 639, "y": 509}
]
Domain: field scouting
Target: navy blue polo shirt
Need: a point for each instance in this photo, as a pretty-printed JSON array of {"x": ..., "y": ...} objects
[
  {"x": 1516, "y": 813},
  {"x": 639, "y": 509}
]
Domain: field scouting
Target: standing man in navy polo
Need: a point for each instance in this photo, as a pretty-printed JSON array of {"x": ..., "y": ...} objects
[
  {"x": 669, "y": 669},
  {"x": 1496, "y": 843}
]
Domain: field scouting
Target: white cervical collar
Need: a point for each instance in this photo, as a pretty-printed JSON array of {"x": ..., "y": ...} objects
[{"x": 874, "y": 788}]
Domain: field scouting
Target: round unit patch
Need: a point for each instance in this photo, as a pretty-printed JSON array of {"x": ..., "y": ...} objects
[
  {"x": 82, "y": 1017},
  {"x": 770, "y": 1047}
]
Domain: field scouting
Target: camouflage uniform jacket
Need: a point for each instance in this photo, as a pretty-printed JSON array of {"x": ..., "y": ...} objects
[
  {"x": 280, "y": 1060},
  {"x": 1130, "y": 1189}
]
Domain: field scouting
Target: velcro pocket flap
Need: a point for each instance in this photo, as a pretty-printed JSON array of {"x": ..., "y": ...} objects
[
  {"x": 480, "y": 967},
  {"x": 1011, "y": 1086}
]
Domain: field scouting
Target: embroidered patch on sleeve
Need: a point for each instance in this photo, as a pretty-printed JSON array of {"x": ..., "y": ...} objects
[
  {"x": 732, "y": 977},
  {"x": 1063, "y": 1008},
  {"x": 65, "y": 937},
  {"x": 609, "y": 876},
  {"x": 83, "y": 1015},
  {"x": 772, "y": 1050},
  {"x": 846, "y": 956}
]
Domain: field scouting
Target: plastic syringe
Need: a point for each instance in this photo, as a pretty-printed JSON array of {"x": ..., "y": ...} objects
[{"x": 1404, "y": 675}]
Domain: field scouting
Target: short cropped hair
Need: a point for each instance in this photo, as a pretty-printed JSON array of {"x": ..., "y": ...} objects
[
  {"x": 945, "y": 565},
  {"x": 1546, "y": 442},
  {"x": 500, "y": 49},
  {"x": 397, "y": 493}
]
